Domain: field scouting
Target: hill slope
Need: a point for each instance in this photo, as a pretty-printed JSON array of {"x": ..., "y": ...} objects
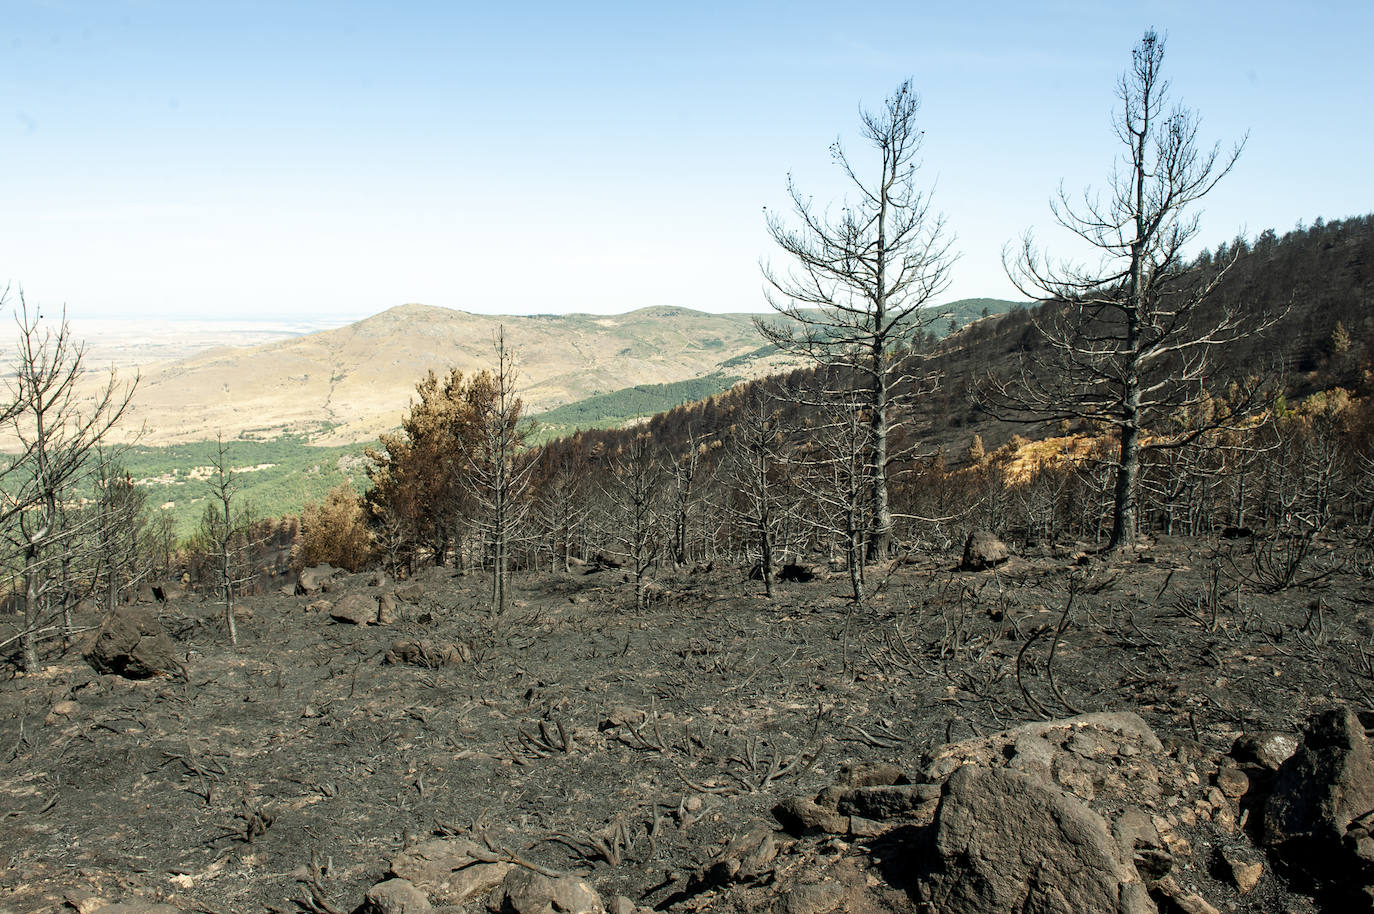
[
  {"x": 351, "y": 383},
  {"x": 348, "y": 384}
]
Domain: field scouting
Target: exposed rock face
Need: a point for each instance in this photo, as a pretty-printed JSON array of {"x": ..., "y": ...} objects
[
  {"x": 1326, "y": 785},
  {"x": 983, "y": 550},
  {"x": 1080, "y": 814},
  {"x": 131, "y": 643},
  {"x": 1009, "y": 842},
  {"x": 1267, "y": 749},
  {"x": 1063, "y": 750}
]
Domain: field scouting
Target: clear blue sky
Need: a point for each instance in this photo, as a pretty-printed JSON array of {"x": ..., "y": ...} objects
[{"x": 330, "y": 160}]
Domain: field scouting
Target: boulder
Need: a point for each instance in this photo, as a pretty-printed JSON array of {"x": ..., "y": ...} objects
[
  {"x": 355, "y": 609},
  {"x": 871, "y": 774},
  {"x": 316, "y": 579},
  {"x": 427, "y": 653},
  {"x": 131, "y": 644},
  {"x": 449, "y": 870},
  {"x": 1316, "y": 813},
  {"x": 1266, "y": 749},
  {"x": 888, "y": 802},
  {"x": 1009, "y": 842},
  {"x": 983, "y": 550},
  {"x": 411, "y": 593},
  {"x": 388, "y": 613},
  {"x": 396, "y": 896},
  {"x": 1325, "y": 785},
  {"x": 803, "y": 816},
  {"x": 523, "y": 891}
]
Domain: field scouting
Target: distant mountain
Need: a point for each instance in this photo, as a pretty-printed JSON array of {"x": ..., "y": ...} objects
[
  {"x": 347, "y": 384},
  {"x": 350, "y": 383}
]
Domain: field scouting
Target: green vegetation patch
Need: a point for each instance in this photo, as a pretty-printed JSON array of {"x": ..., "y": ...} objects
[
  {"x": 620, "y": 406},
  {"x": 277, "y": 476}
]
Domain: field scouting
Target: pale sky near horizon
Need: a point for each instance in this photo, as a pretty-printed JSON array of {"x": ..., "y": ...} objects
[{"x": 310, "y": 160}]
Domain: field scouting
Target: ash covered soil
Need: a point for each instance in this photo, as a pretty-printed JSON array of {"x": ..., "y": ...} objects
[{"x": 578, "y": 735}]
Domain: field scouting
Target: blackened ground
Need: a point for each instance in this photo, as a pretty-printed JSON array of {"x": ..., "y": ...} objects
[{"x": 625, "y": 745}]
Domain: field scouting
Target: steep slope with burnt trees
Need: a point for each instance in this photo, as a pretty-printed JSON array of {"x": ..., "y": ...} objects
[{"x": 963, "y": 467}]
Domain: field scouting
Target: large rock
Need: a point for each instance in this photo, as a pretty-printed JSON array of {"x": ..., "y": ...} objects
[
  {"x": 388, "y": 613},
  {"x": 1316, "y": 817},
  {"x": 1325, "y": 785},
  {"x": 983, "y": 550},
  {"x": 316, "y": 579},
  {"x": 1009, "y": 842},
  {"x": 396, "y": 896},
  {"x": 427, "y": 652},
  {"x": 1087, "y": 754},
  {"x": 1265, "y": 749},
  {"x": 448, "y": 870},
  {"x": 527, "y": 892},
  {"x": 355, "y": 608},
  {"x": 132, "y": 644}
]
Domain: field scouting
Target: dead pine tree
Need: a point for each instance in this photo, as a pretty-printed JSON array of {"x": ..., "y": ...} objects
[
  {"x": 498, "y": 466},
  {"x": 561, "y": 508},
  {"x": 58, "y": 431},
  {"x": 856, "y": 291},
  {"x": 1128, "y": 341},
  {"x": 836, "y": 472},
  {"x": 686, "y": 468},
  {"x": 225, "y": 532},
  {"x": 634, "y": 492},
  {"x": 751, "y": 462},
  {"x": 121, "y": 527}
]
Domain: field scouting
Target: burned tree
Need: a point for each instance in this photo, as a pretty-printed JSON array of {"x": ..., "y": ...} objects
[
  {"x": 120, "y": 534},
  {"x": 634, "y": 490},
  {"x": 224, "y": 533},
  {"x": 859, "y": 282},
  {"x": 418, "y": 499},
  {"x": 562, "y": 510},
  {"x": 837, "y": 476},
  {"x": 57, "y": 431},
  {"x": 1128, "y": 342},
  {"x": 751, "y": 460},
  {"x": 498, "y": 467},
  {"x": 686, "y": 469}
]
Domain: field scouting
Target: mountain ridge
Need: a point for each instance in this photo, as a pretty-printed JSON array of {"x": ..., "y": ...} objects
[{"x": 347, "y": 384}]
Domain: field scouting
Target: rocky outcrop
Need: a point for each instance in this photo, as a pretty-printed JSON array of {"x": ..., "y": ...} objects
[{"x": 316, "y": 579}]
